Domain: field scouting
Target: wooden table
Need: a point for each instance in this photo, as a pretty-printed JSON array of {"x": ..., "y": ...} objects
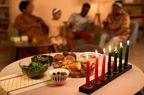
[
  {"x": 127, "y": 84},
  {"x": 27, "y": 49}
]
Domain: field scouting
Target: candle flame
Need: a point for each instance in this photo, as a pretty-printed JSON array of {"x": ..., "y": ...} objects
[
  {"x": 121, "y": 44},
  {"x": 104, "y": 50},
  {"x": 115, "y": 49},
  {"x": 128, "y": 42},
  {"x": 109, "y": 48},
  {"x": 96, "y": 52},
  {"x": 86, "y": 56}
]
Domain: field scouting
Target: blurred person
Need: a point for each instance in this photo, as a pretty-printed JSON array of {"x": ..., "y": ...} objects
[
  {"x": 116, "y": 27},
  {"x": 28, "y": 24},
  {"x": 56, "y": 30},
  {"x": 79, "y": 25}
]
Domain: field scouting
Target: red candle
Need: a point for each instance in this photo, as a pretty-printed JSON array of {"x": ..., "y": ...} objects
[
  {"x": 103, "y": 66},
  {"x": 96, "y": 69},
  {"x": 87, "y": 72},
  {"x": 112, "y": 65}
]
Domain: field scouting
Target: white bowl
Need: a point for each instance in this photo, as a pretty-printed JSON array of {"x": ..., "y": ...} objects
[
  {"x": 59, "y": 78},
  {"x": 91, "y": 56}
]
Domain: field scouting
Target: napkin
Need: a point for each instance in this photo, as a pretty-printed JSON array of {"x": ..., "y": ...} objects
[{"x": 14, "y": 83}]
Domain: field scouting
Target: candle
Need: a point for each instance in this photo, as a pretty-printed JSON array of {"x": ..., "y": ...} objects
[
  {"x": 120, "y": 56},
  {"x": 103, "y": 66},
  {"x": 126, "y": 55},
  {"x": 115, "y": 61},
  {"x": 87, "y": 72},
  {"x": 109, "y": 62},
  {"x": 96, "y": 68},
  {"x": 112, "y": 65}
]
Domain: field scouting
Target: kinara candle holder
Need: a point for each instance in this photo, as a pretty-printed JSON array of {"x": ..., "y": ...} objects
[{"x": 102, "y": 83}]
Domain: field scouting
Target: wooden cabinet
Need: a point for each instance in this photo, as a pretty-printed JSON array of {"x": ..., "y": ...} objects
[
  {"x": 4, "y": 18},
  {"x": 136, "y": 11}
]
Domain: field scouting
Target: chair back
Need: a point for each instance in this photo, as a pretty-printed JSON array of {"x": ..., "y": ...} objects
[
  {"x": 87, "y": 48},
  {"x": 134, "y": 28}
]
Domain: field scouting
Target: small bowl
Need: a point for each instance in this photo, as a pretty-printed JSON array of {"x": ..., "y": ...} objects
[
  {"x": 91, "y": 56},
  {"x": 59, "y": 75}
]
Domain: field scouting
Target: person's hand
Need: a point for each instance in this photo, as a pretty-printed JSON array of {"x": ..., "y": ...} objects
[
  {"x": 109, "y": 37},
  {"x": 71, "y": 25}
]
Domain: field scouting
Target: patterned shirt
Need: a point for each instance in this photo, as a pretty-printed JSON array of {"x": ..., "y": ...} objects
[
  {"x": 120, "y": 23},
  {"x": 32, "y": 26}
]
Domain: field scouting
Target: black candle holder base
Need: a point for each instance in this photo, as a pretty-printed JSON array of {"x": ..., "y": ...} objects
[{"x": 102, "y": 83}]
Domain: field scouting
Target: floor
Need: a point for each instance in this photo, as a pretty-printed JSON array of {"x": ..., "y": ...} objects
[
  {"x": 137, "y": 55},
  {"x": 7, "y": 54}
]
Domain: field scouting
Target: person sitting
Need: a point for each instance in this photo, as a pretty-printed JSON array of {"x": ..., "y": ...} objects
[
  {"x": 78, "y": 27},
  {"x": 28, "y": 24},
  {"x": 56, "y": 30},
  {"x": 116, "y": 27}
]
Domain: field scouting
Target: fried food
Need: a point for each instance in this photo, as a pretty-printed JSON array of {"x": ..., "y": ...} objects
[
  {"x": 69, "y": 58},
  {"x": 58, "y": 57}
]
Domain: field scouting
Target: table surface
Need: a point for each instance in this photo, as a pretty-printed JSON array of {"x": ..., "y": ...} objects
[{"x": 127, "y": 84}]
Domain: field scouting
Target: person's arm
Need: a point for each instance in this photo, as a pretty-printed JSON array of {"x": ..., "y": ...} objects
[
  {"x": 107, "y": 23},
  {"x": 91, "y": 25},
  {"x": 40, "y": 20},
  {"x": 97, "y": 19},
  {"x": 22, "y": 26},
  {"x": 124, "y": 26},
  {"x": 44, "y": 27},
  {"x": 41, "y": 24},
  {"x": 71, "y": 21}
]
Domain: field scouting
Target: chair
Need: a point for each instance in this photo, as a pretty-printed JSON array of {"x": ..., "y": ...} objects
[
  {"x": 90, "y": 28},
  {"x": 87, "y": 48},
  {"x": 134, "y": 28}
]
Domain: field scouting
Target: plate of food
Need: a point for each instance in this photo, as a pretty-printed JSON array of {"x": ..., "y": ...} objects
[{"x": 70, "y": 62}]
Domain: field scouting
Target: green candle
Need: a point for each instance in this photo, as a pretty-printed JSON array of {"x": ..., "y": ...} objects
[
  {"x": 120, "y": 56},
  {"x": 109, "y": 63},
  {"x": 115, "y": 61},
  {"x": 126, "y": 55}
]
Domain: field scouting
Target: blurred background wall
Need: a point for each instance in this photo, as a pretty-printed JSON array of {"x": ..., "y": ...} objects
[{"x": 43, "y": 8}]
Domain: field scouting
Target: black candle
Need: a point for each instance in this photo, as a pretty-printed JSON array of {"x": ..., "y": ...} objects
[
  {"x": 115, "y": 61},
  {"x": 109, "y": 63},
  {"x": 120, "y": 56},
  {"x": 126, "y": 55}
]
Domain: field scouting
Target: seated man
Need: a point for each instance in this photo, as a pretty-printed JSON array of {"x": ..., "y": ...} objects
[
  {"x": 30, "y": 25},
  {"x": 78, "y": 26},
  {"x": 116, "y": 27}
]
